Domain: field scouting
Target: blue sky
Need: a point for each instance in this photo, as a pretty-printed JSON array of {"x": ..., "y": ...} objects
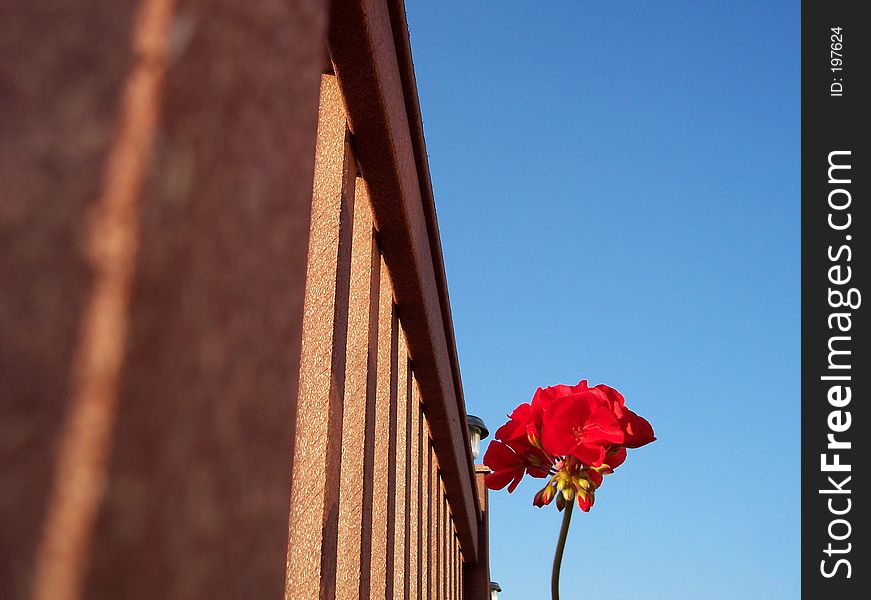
[{"x": 617, "y": 186}]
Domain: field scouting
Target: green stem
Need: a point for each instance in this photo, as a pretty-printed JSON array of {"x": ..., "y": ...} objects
[{"x": 560, "y": 546}]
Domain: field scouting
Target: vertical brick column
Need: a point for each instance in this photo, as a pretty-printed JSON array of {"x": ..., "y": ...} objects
[
  {"x": 476, "y": 576},
  {"x": 314, "y": 510}
]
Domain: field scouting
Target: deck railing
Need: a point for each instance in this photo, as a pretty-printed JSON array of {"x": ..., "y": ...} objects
[{"x": 227, "y": 365}]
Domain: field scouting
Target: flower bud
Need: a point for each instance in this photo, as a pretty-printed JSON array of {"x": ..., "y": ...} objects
[
  {"x": 545, "y": 496},
  {"x": 585, "y": 500}
]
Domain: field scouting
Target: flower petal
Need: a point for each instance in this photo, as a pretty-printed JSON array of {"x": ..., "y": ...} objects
[
  {"x": 614, "y": 458},
  {"x": 638, "y": 430}
]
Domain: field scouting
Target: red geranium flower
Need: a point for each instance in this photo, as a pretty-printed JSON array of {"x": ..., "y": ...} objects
[
  {"x": 574, "y": 434},
  {"x": 580, "y": 423}
]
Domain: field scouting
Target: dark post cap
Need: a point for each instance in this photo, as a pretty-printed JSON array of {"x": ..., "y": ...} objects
[{"x": 473, "y": 421}]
